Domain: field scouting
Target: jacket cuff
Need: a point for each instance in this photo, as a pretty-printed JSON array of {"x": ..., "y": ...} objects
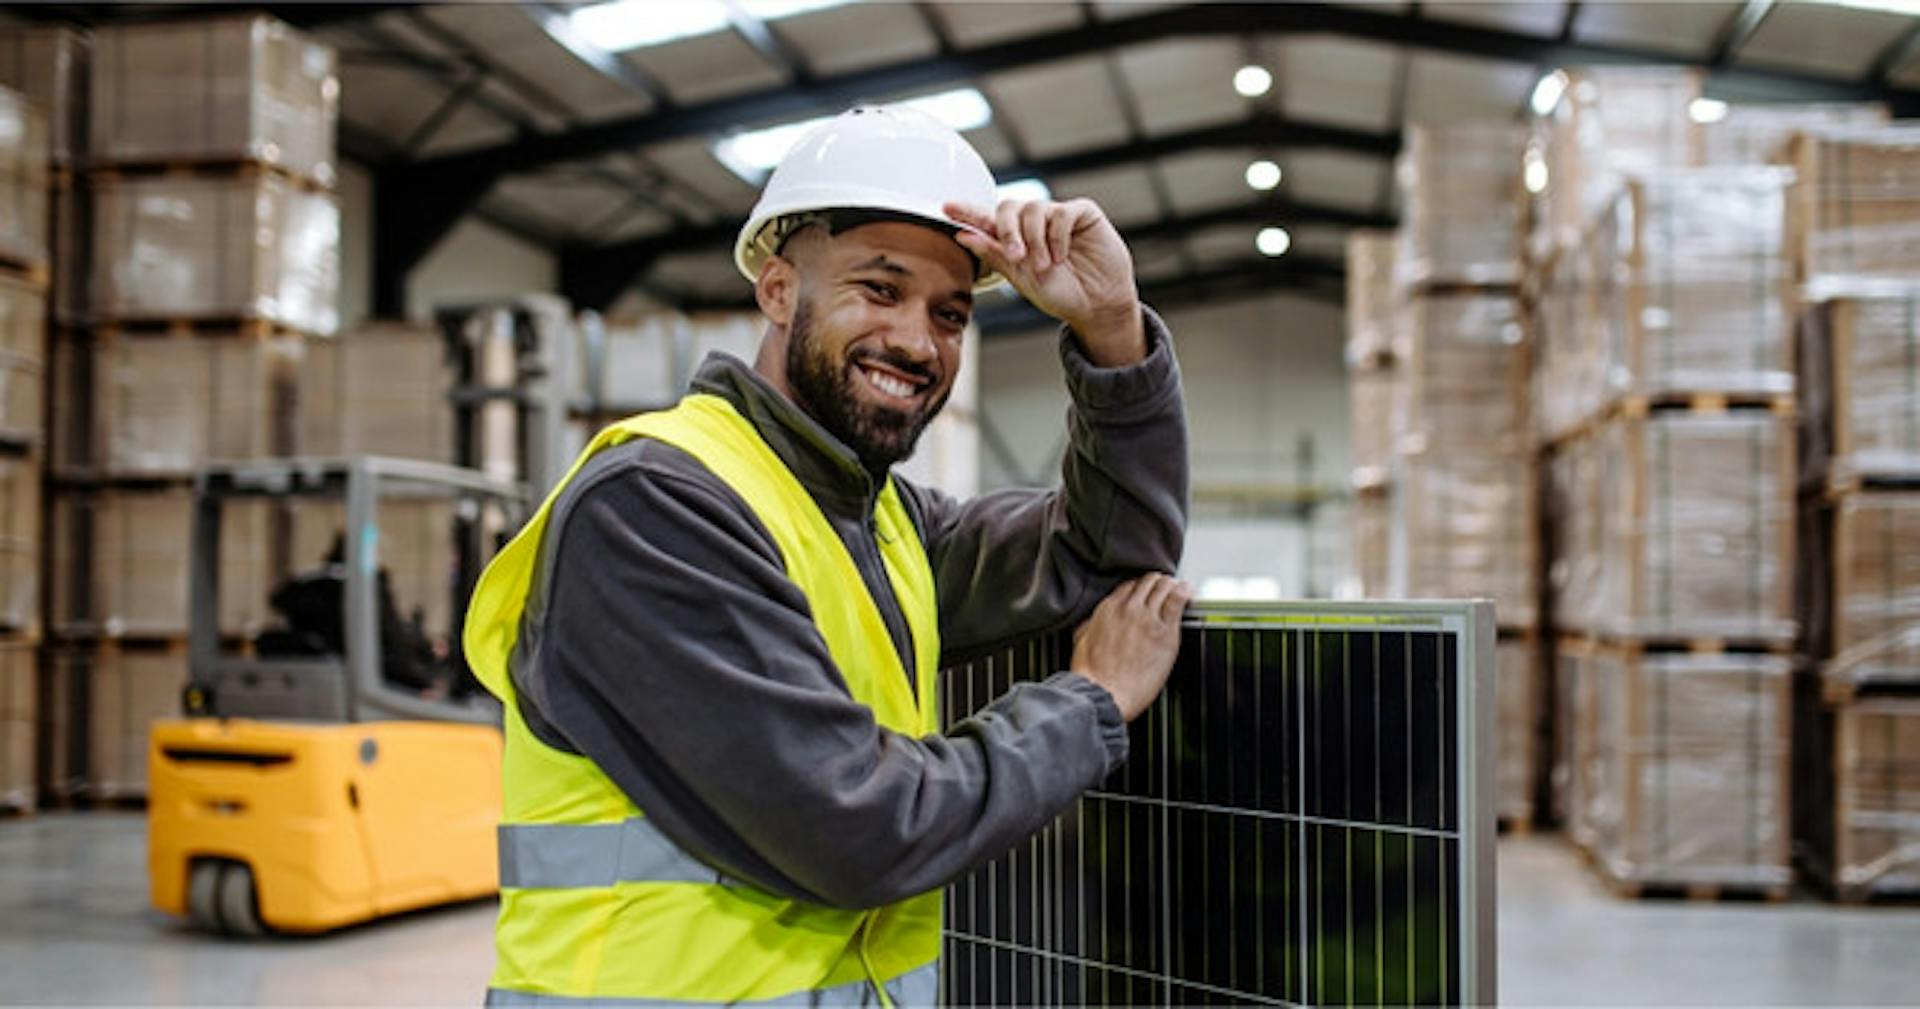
[
  {"x": 1127, "y": 392},
  {"x": 1111, "y": 727}
]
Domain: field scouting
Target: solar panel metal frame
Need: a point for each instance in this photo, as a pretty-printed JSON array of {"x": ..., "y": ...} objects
[{"x": 1471, "y": 626}]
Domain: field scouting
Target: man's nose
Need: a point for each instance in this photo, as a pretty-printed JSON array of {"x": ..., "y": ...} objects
[{"x": 914, "y": 336}]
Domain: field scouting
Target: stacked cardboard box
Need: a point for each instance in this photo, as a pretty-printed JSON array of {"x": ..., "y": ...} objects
[
  {"x": 1438, "y": 396},
  {"x": 1877, "y": 798},
  {"x": 1680, "y": 774},
  {"x": 1678, "y": 527},
  {"x": 200, "y": 251},
  {"x": 1856, "y": 210},
  {"x": 1461, "y": 225},
  {"x": 380, "y": 389}
]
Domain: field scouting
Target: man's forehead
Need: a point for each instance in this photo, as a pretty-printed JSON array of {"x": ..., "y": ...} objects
[{"x": 892, "y": 245}]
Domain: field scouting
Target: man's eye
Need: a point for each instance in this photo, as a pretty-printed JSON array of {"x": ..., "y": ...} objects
[
  {"x": 882, "y": 290},
  {"x": 958, "y": 319}
]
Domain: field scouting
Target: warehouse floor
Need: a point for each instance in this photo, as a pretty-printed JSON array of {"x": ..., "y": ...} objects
[{"x": 73, "y": 914}]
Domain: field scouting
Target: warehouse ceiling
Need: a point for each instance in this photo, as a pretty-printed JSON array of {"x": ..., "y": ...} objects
[{"x": 508, "y": 110}]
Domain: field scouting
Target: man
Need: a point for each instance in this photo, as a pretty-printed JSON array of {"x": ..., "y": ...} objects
[{"x": 717, "y": 643}]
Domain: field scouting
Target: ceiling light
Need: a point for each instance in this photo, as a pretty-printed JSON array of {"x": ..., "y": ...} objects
[
  {"x": 1251, "y": 81},
  {"x": 754, "y": 153},
  {"x": 1025, "y": 190},
  {"x": 1273, "y": 241},
  {"x": 774, "y": 10},
  {"x": 1535, "y": 174},
  {"x": 632, "y": 24},
  {"x": 1706, "y": 110},
  {"x": 1884, "y": 6},
  {"x": 1263, "y": 175},
  {"x": 1546, "y": 94}
]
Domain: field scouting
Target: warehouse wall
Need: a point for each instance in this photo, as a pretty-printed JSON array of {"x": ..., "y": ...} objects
[
  {"x": 1260, "y": 374},
  {"x": 475, "y": 259}
]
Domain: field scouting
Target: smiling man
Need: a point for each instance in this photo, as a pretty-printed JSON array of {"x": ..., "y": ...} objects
[{"x": 717, "y": 643}]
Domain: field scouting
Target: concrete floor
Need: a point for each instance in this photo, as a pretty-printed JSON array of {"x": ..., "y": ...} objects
[{"x": 75, "y": 930}]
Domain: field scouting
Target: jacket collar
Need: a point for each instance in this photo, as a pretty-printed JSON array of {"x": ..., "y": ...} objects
[{"x": 823, "y": 464}]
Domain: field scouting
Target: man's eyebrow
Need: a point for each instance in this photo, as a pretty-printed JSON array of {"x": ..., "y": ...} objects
[{"x": 881, "y": 262}]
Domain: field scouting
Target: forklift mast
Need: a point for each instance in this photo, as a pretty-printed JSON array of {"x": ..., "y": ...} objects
[{"x": 350, "y": 686}]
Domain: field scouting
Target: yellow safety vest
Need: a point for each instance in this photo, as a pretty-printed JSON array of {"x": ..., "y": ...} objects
[{"x": 596, "y": 903}]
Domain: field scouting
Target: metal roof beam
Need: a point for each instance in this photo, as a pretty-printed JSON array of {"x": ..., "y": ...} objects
[
  {"x": 828, "y": 93},
  {"x": 1738, "y": 29},
  {"x": 593, "y": 276}
]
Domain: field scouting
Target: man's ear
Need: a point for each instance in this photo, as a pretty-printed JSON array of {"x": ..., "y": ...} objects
[{"x": 778, "y": 290}]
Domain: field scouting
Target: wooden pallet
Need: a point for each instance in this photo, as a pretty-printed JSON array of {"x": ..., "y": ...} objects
[
  {"x": 1639, "y": 406},
  {"x": 192, "y": 328},
  {"x": 1627, "y": 888},
  {"x": 1771, "y": 893},
  {"x": 1850, "y": 484},
  {"x": 86, "y": 636},
  {"x": 1868, "y": 896},
  {"x": 1668, "y": 645},
  {"x": 218, "y": 169},
  {"x": 36, "y": 275},
  {"x": 1835, "y": 692}
]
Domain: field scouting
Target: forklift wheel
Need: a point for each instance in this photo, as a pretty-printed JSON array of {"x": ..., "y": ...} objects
[
  {"x": 221, "y": 899},
  {"x": 203, "y": 891},
  {"x": 239, "y": 910}
]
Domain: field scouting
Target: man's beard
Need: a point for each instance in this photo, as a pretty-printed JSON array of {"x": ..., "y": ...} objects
[{"x": 824, "y": 388}]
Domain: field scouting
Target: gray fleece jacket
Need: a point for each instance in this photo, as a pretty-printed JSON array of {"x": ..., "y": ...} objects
[{"x": 663, "y": 640}]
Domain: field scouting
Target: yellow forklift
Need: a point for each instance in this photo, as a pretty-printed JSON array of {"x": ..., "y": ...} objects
[{"x": 343, "y": 767}]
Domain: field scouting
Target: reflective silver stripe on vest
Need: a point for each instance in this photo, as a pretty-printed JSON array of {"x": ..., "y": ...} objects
[
  {"x": 916, "y": 989},
  {"x": 557, "y": 855}
]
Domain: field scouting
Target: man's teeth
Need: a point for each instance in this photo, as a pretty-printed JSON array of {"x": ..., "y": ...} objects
[{"x": 888, "y": 384}]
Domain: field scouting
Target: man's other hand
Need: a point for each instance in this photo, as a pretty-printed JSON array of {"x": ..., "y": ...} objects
[
  {"x": 1129, "y": 644},
  {"x": 1070, "y": 262}
]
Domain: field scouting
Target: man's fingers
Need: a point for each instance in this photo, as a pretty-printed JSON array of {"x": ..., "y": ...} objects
[
  {"x": 990, "y": 252},
  {"x": 967, "y": 213},
  {"x": 1157, "y": 594},
  {"x": 1006, "y": 227},
  {"x": 1175, "y": 602},
  {"x": 1033, "y": 232},
  {"x": 1060, "y": 234}
]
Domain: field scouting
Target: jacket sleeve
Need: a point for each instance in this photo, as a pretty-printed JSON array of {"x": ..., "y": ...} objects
[
  {"x": 676, "y": 654},
  {"x": 1012, "y": 563}
]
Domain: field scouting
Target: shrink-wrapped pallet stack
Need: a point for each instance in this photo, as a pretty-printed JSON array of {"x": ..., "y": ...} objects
[
  {"x": 1668, "y": 237},
  {"x": 1858, "y": 199},
  {"x": 1373, "y": 397},
  {"x": 199, "y": 265},
  {"x": 1443, "y": 479},
  {"x": 25, "y": 274}
]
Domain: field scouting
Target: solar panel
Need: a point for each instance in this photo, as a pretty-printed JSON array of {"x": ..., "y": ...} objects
[{"x": 1305, "y": 818}]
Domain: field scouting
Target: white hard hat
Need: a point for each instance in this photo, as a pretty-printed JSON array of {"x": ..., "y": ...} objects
[{"x": 885, "y": 159}]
